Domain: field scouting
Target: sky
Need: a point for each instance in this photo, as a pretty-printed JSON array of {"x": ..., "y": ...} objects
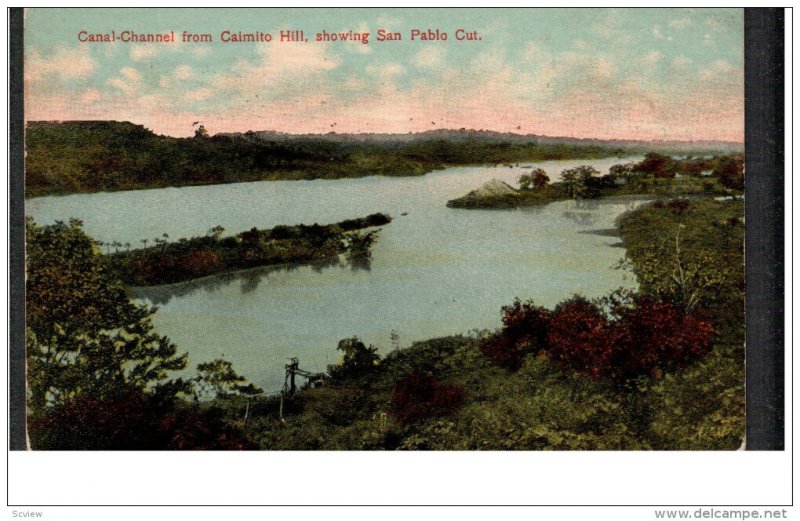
[{"x": 672, "y": 74}]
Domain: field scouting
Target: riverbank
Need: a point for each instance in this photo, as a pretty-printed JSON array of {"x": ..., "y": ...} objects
[
  {"x": 104, "y": 156},
  {"x": 189, "y": 259},
  {"x": 657, "y": 176},
  {"x": 559, "y": 191},
  {"x": 488, "y": 391}
]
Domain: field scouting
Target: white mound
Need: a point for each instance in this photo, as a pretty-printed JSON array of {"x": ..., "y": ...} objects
[{"x": 493, "y": 188}]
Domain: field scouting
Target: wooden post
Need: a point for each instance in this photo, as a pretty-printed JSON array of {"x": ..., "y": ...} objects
[{"x": 292, "y": 384}]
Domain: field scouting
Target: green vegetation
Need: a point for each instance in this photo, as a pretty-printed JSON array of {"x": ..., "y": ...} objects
[
  {"x": 170, "y": 262},
  {"x": 657, "y": 175},
  {"x": 662, "y": 368},
  {"x": 98, "y": 375},
  {"x": 83, "y": 333},
  {"x": 691, "y": 252},
  {"x": 647, "y": 371},
  {"x": 92, "y": 156}
]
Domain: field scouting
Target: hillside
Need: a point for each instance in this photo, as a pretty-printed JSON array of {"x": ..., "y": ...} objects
[
  {"x": 93, "y": 156},
  {"x": 452, "y": 135}
]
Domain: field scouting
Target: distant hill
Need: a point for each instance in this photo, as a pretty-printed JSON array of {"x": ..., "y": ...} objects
[
  {"x": 704, "y": 146},
  {"x": 92, "y": 156}
]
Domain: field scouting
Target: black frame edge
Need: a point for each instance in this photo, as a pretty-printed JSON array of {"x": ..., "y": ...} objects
[
  {"x": 16, "y": 233},
  {"x": 764, "y": 216}
]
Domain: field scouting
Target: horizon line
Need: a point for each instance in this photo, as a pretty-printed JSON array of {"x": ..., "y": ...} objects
[{"x": 397, "y": 133}]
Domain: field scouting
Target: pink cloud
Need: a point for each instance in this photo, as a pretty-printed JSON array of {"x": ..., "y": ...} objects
[
  {"x": 65, "y": 63},
  {"x": 567, "y": 94}
]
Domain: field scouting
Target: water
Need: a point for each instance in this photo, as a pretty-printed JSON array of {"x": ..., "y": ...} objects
[{"x": 435, "y": 271}]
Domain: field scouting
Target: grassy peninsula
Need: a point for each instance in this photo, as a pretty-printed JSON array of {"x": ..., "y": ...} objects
[
  {"x": 166, "y": 262},
  {"x": 657, "y": 175}
]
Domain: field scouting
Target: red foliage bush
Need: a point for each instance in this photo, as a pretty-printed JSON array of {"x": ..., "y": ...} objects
[
  {"x": 654, "y": 336},
  {"x": 677, "y": 205},
  {"x": 578, "y": 337},
  {"x": 200, "y": 262},
  {"x": 132, "y": 421},
  {"x": 639, "y": 336},
  {"x": 648, "y": 337},
  {"x": 524, "y": 332},
  {"x": 418, "y": 397}
]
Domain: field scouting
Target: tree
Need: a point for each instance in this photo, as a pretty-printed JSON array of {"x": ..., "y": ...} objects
[
  {"x": 578, "y": 181},
  {"x": 540, "y": 178},
  {"x": 217, "y": 379},
  {"x": 622, "y": 170},
  {"x": 84, "y": 335},
  {"x": 730, "y": 172},
  {"x": 658, "y": 165},
  {"x": 358, "y": 359},
  {"x": 537, "y": 178},
  {"x": 216, "y": 232},
  {"x": 201, "y": 133}
]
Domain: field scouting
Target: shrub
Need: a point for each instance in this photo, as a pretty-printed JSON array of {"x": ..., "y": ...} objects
[
  {"x": 578, "y": 337},
  {"x": 647, "y": 338},
  {"x": 730, "y": 172},
  {"x": 636, "y": 336},
  {"x": 677, "y": 206},
  {"x": 418, "y": 397},
  {"x": 524, "y": 332},
  {"x": 132, "y": 420},
  {"x": 200, "y": 262},
  {"x": 654, "y": 336}
]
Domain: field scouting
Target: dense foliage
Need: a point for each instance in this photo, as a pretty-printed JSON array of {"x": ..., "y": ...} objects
[
  {"x": 169, "y": 262},
  {"x": 418, "y": 397},
  {"x": 525, "y": 330},
  {"x": 217, "y": 379},
  {"x": 635, "y": 336},
  {"x": 84, "y": 336},
  {"x": 98, "y": 375},
  {"x": 641, "y": 337},
  {"x": 656, "y": 174},
  {"x": 91, "y": 156},
  {"x": 691, "y": 252}
]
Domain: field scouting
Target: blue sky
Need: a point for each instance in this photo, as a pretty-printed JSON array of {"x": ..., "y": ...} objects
[{"x": 607, "y": 73}]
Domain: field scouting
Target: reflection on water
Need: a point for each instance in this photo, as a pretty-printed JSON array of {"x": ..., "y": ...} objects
[
  {"x": 248, "y": 280},
  {"x": 582, "y": 218},
  {"x": 360, "y": 261}
]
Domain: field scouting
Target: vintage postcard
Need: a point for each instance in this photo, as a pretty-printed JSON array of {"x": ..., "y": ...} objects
[{"x": 384, "y": 229}]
